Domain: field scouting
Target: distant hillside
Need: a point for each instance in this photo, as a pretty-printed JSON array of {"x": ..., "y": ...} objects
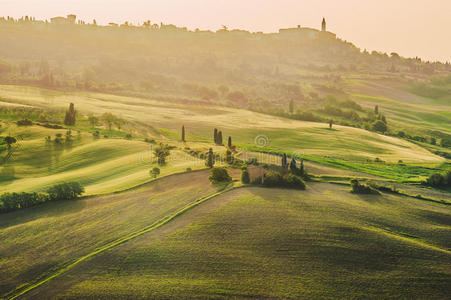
[{"x": 231, "y": 67}]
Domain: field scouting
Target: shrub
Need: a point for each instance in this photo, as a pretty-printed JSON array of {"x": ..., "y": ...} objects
[
  {"x": 293, "y": 182},
  {"x": 24, "y": 122},
  {"x": 276, "y": 179},
  {"x": 189, "y": 169},
  {"x": 439, "y": 180},
  {"x": 445, "y": 143},
  {"x": 379, "y": 126},
  {"x": 155, "y": 172},
  {"x": 150, "y": 141},
  {"x": 245, "y": 178},
  {"x": 14, "y": 201},
  {"x": 65, "y": 191},
  {"x": 128, "y": 136},
  {"x": 219, "y": 175},
  {"x": 358, "y": 188}
]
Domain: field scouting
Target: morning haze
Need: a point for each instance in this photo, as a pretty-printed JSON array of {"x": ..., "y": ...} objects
[{"x": 409, "y": 27}]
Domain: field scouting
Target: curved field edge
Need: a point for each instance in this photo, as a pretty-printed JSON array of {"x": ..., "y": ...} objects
[
  {"x": 24, "y": 289},
  {"x": 247, "y": 243}
]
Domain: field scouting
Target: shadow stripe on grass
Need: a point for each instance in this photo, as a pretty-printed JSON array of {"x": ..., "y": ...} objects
[{"x": 23, "y": 289}]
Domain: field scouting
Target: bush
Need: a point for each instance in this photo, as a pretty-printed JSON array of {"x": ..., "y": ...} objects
[
  {"x": 358, "y": 188},
  {"x": 65, "y": 191},
  {"x": 245, "y": 178},
  {"x": 14, "y": 201},
  {"x": 445, "y": 143},
  {"x": 155, "y": 172},
  {"x": 276, "y": 179},
  {"x": 439, "y": 180},
  {"x": 293, "y": 182},
  {"x": 24, "y": 122},
  {"x": 219, "y": 175},
  {"x": 379, "y": 126}
]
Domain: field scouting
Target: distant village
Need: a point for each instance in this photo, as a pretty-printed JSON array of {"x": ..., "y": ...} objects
[{"x": 304, "y": 32}]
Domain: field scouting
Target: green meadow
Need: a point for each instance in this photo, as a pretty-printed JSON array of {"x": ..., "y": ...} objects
[{"x": 272, "y": 243}]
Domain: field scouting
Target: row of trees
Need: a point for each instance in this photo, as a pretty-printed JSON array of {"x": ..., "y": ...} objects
[{"x": 65, "y": 191}]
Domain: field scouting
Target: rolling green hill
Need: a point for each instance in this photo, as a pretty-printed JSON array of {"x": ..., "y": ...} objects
[{"x": 250, "y": 242}]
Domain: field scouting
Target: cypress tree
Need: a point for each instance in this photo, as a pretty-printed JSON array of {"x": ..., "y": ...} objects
[
  {"x": 229, "y": 157},
  {"x": 216, "y": 136},
  {"x": 284, "y": 160},
  {"x": 183, "y": 133},
  {"x": 245, "y": 178},
  {"x": 210, "y": 162},
  {"x": 220, "y": 138},
  {"x": 69, "y": 119},
  {"x": 293, "y": 166},
  {"x": 376, "y": 109},
  {"x": 302, "y": 167},
  {"x": 229, "y": 144}
]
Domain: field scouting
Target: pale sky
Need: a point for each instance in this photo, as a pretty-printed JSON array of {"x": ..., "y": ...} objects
[{"x": 410, "y": 27}]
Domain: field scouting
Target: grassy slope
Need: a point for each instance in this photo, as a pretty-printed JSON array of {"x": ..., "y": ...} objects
[
  {"x": 244, "y": 126},
  {"x": 324, "y": 242},
  {"x": 36, "y": 240},
  {"x": 102, "y": 165}
]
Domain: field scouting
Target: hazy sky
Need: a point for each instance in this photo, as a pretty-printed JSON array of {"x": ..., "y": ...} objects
[{"x": 409, "y": 27}]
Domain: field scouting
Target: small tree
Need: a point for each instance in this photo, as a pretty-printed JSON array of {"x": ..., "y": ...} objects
[
  {"x": 10, "y": 140},
  {"x": 229, "y": 157},
  {"x": 293, "y": 166},
  {"x": 161, "y": 152},
  {"x": 229, "y": 143},
  {"x": 433, "y": 141},
  {"x": 183, "y": 133},
  {"x": 219, "y": 138},
  {"x": 284, "y": 161},
  {"x": 379, "y": 126},
  {"x": 219, "y": 175},
  {"x": 119, "y": 122},
  {"x": 69, "y": 119},
  {"x": 155, "y": 172},
  {"x": 245, "y": 178},
  {"x": 93, "y": 120},
  {"x": 210, "y": 161},
  {"x": 376, "y": 110},
  {"x": 331, "y": 124},
  {"x": 215, "y": 136},
  {"x": 108, "y": 119}
]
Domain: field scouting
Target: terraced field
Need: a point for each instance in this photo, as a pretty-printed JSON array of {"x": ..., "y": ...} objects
[{"x": 265, "y": 243}]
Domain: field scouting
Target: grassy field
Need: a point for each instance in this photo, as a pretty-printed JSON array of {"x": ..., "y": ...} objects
[
  {"x": 48, "y": 237},
  {"x": 342, "y": 143},
  {"x": 271, "y": 243}
]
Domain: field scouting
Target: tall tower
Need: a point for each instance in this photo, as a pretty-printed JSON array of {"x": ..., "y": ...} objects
[{"x": 323, "y": 25}]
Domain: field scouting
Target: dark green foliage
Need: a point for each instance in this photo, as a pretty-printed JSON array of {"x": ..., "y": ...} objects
[
  {"x": 358, "y": 188},
  {"x": 276, "y": 179},
  {"x": 215, "y": 136},
  {"x": 245, "y": 178},
  {"x": 229, "y": 157},
  {"x": 218, "y": 175},
  {"x": 24, "y": 122},
  {"x": 376, "y": 110},
  {"x": 330, "y": 124},
  {"x": 10, "y": 140},
  {"x": 14, "y": 201},
  {"x": 155, "y": 172},
  {"x": 70, "y": 117},
  {"x": 440, "y": 180},
  {"x": 219, "y": 138},
  {"x": 161, "y": 152},
  {"x": 379, "y": 126},
  {"x": 150, "y": 141},
  {"x": 402, "y": 134},
  {"x": 293, "y": 166},
  {"x": 210, "y": 159},
  {"x": 284, "y": 162},
  {"x": 128, "y": 136},
  {"x": 183, "y": 133},
  {"x": 445, "y": 143},
  {"x": 229, "y": 143},
  {"x": 433, "y": 141},
  {"x": 65, "y": 191}
]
